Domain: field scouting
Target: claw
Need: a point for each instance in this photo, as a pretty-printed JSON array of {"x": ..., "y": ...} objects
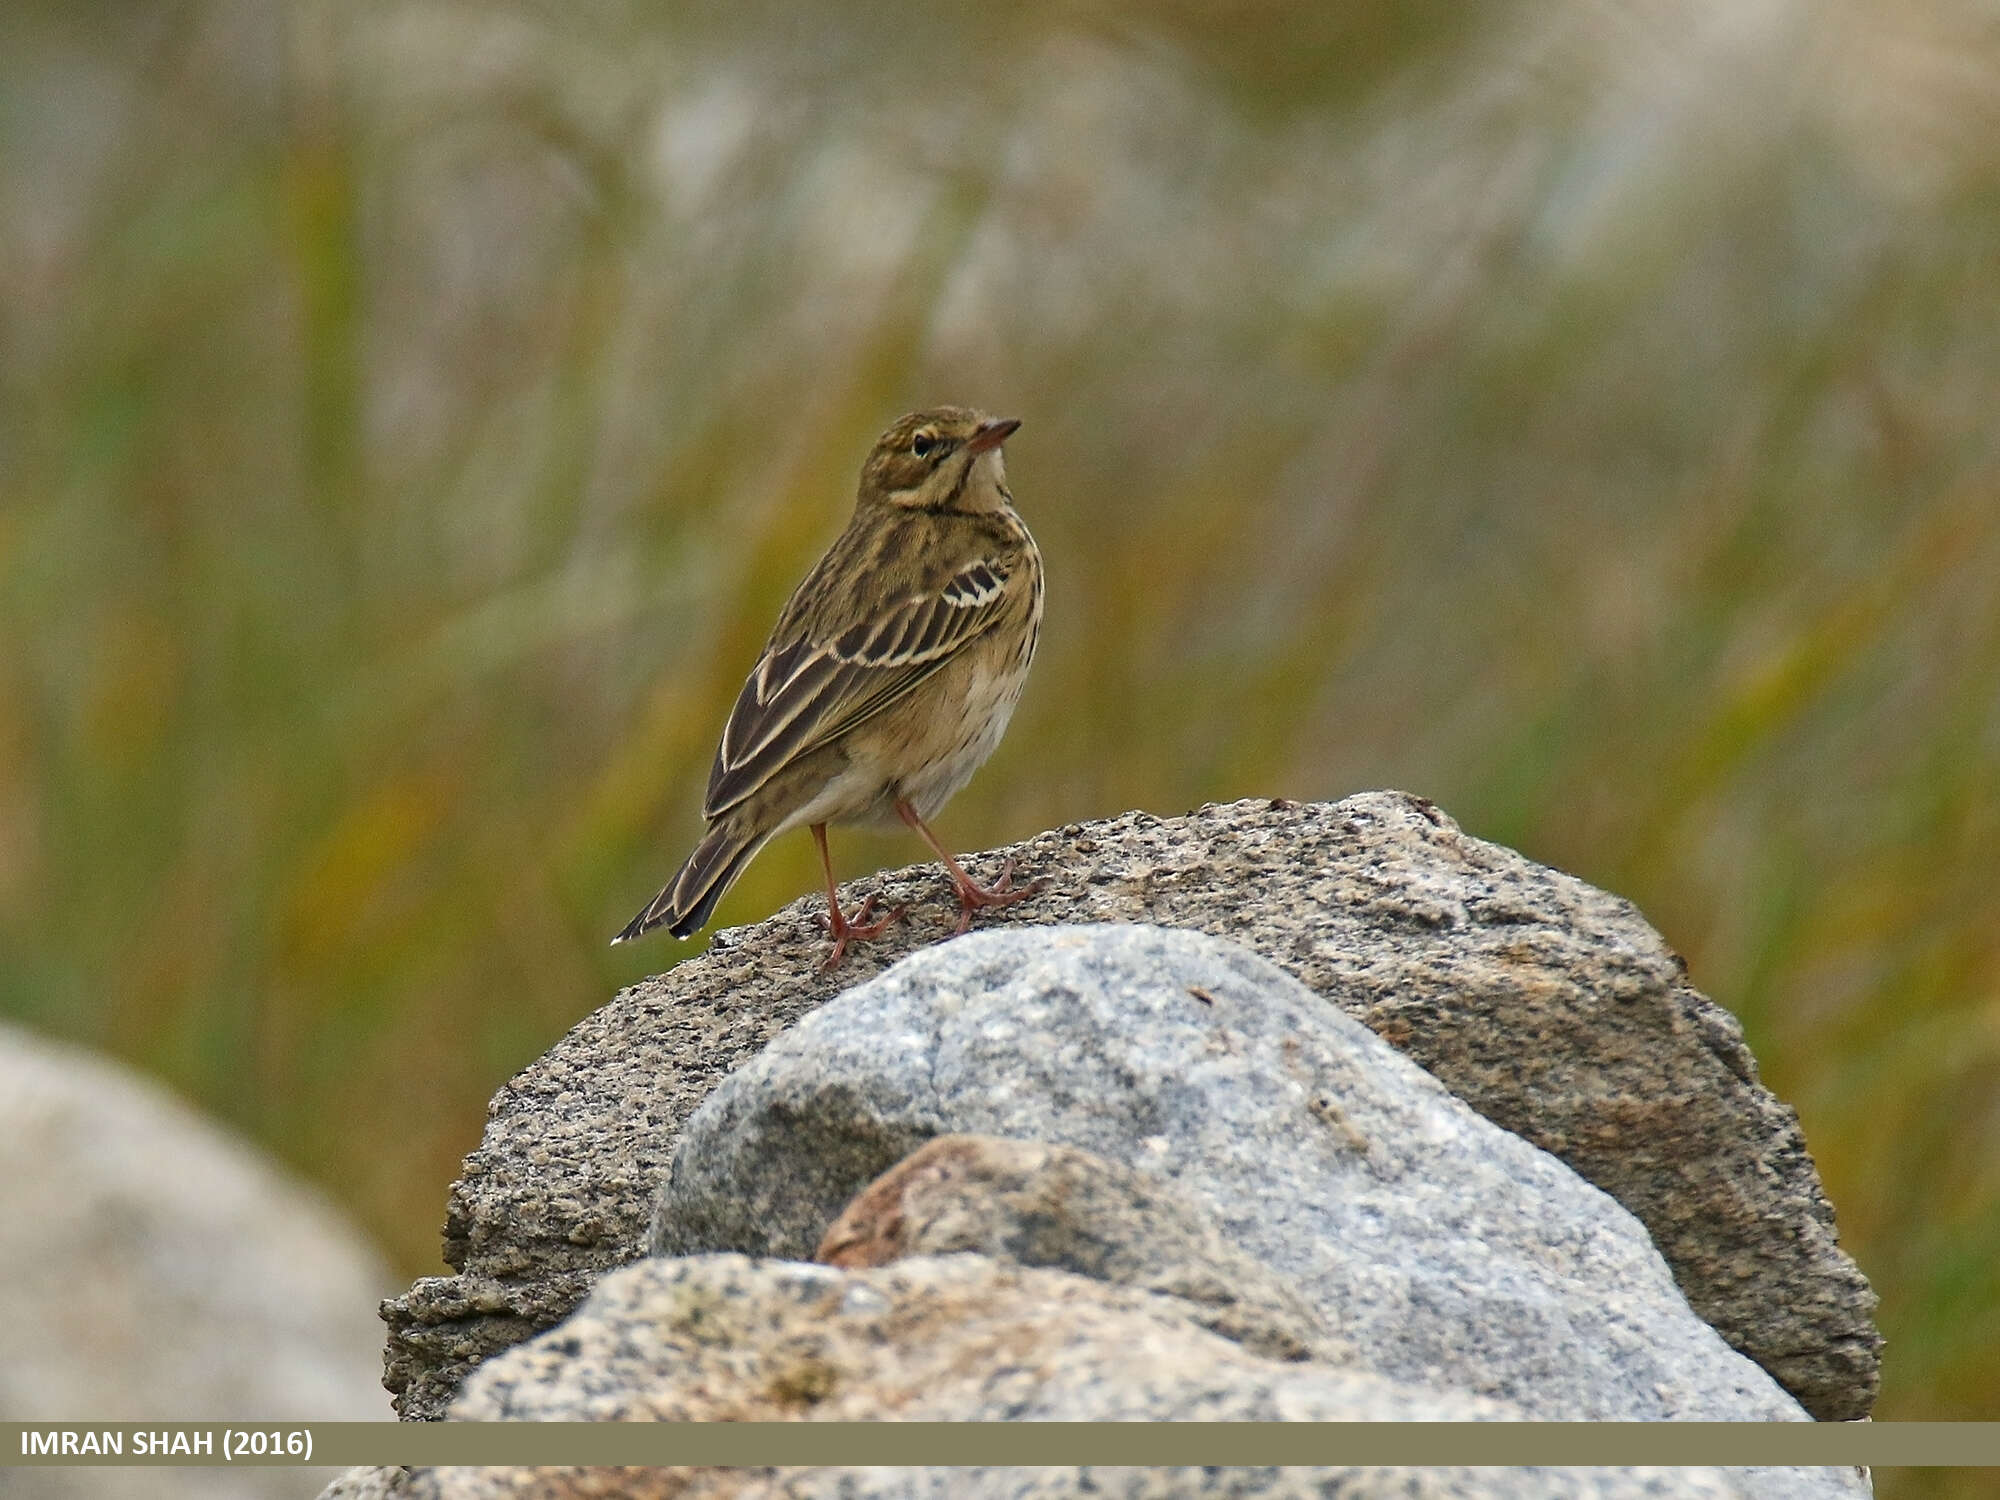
[
  {"x": 973, "y": 896},
  {"x": 857, "y": 928}
]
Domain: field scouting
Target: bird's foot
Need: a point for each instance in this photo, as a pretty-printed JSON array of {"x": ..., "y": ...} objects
[
  {"x": 844, "y": 929},
  {"x": 972, "y": 896}
]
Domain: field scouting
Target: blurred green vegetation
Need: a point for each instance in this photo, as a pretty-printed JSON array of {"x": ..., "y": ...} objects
[{"x": 412, "y": 414}]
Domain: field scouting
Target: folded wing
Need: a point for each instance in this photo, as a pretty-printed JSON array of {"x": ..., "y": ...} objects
[{"x": 808, "y": 692}]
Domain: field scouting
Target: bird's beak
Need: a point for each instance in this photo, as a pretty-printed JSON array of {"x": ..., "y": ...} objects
[{"x": 991, "y": 434}]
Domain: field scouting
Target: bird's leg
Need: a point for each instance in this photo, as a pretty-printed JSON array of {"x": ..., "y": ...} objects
[
  {"x": 971, "y": 894},
  {"x": 843, "y": 928}
]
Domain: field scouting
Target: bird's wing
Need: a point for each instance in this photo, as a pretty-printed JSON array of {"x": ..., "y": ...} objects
[{"x": 808, "y": 691}]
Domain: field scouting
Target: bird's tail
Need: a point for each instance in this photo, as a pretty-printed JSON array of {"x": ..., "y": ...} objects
[{"x": 685, "y": 904}]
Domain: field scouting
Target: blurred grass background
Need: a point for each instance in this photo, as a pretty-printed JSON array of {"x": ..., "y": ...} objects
[{"x": 1586, "y": 415}]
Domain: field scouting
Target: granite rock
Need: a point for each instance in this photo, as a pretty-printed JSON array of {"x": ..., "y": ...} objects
[
  {"x": 1547, "y": 1005},
  {"x": 1029, "y": 1204},
  {"x": 1450, "y": 1251},
  {"x": 966, "y": 1338},
  {"x": 1093, "y": 1482},
  {"x": 1097, "y": 1482}
]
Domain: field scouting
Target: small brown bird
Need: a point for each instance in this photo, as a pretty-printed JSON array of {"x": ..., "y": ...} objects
[{"x": 890, "y": 676}]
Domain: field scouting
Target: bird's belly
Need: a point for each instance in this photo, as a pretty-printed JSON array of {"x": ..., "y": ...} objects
[
  {"x": 924, "y": 748},
  {"x": 969, "y": 738},
  {"x": 856, "y": 796}
]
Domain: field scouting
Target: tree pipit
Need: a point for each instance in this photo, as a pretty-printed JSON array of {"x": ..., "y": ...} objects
[{"x": 889, "y": 679}]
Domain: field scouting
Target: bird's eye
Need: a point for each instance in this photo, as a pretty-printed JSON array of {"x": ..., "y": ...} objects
[{"x": 922, "y": 444}]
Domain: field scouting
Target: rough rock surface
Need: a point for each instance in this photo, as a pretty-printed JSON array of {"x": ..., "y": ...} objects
[
  {"x": 1026, "y": 1203},
  {"x": 371, "y": 1482},
  {"x": 1096, "y": 1482},
  {"x": 1449, "y": 1251},
  {"x": 957, "y": 1338},
  {"x": 723, "y": 1338},
  {"x": 1549, "y": 1006},
  {"x": 157, "y": 1267}
]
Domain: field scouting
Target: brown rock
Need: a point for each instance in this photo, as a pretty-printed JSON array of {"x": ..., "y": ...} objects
[{"x": 1028, "y": 1204}]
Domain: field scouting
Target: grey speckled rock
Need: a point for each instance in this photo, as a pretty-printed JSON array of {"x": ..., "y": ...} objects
[
  {"x": 964, "y": 1338},
  {"x": 1097, "y": 1483},
  {"x": 1030, "y": 1204},
  {"x": 381, "y": 1482},
  {"x": 1448, "y": 1250},
  {"x": 1549, "y": 1006},
  {"x": 722, "y": 1338}
]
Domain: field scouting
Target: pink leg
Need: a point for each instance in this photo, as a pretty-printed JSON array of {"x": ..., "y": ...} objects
[
  {"x": 843, "y": 928},
  {"x": 971, "y": 895}
]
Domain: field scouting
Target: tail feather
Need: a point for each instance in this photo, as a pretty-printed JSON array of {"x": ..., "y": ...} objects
[{"x": 685, "y": 904}]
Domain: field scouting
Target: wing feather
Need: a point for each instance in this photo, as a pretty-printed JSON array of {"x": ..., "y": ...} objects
[{"x": 804, "y": 693}]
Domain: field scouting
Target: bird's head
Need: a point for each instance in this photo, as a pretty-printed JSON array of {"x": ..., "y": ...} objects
[{"x": 947, "y": 458}]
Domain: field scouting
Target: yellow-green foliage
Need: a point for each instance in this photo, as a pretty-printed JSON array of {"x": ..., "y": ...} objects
[{"x": 412, "y": 415}]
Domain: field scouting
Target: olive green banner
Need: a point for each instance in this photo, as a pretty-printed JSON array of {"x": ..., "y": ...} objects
[{"x": 1884, "y": 1444}]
